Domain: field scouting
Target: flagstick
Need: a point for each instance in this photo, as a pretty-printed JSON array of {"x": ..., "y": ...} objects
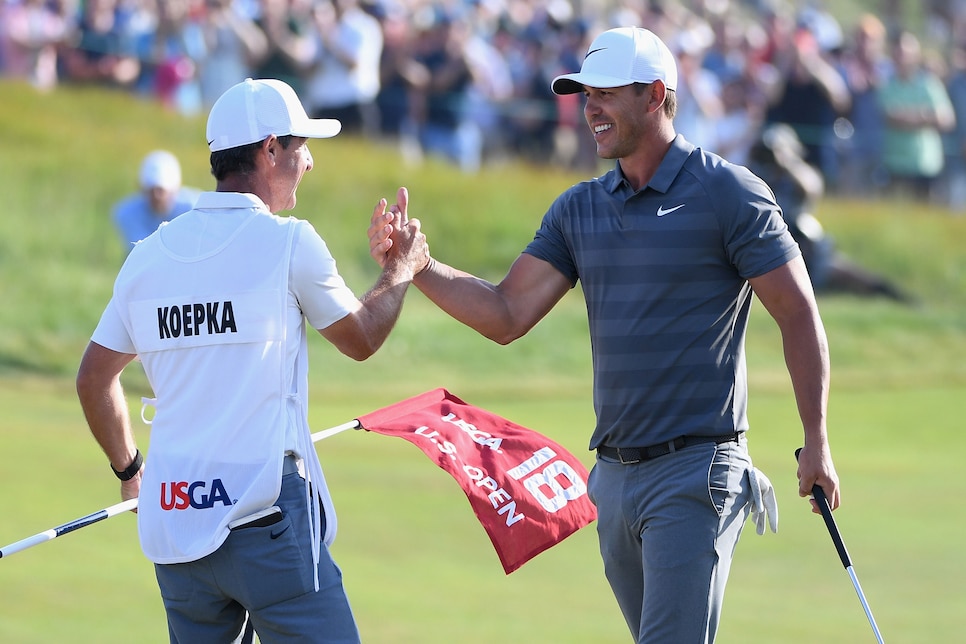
[
  {"x": 325, "y": 433},
  {"x": 53, "y": 533},
  {"x": 124, "y": 506}
]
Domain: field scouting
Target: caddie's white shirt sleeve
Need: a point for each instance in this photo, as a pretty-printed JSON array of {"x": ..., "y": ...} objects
[
  {"x": 321, "y": 292},
  {"x": 111, "y": 332}
]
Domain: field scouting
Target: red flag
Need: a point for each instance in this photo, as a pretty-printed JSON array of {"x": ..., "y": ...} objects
[{"x": 527, "y": 491}]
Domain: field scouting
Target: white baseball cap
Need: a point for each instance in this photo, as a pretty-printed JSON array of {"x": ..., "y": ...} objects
[
  {"x": 619, "y": 57},
  {"x": 253, "y": 110},
  {"x": 160, "y": 169}
]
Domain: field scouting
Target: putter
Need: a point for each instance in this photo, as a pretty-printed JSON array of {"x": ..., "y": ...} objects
[{"x": 819, "y": 495}]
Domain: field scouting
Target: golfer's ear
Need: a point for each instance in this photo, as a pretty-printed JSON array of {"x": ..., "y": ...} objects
[{"x": 656, "y": 95}]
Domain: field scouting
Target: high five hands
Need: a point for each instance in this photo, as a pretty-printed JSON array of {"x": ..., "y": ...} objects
[{"x": 393, "y": 236}]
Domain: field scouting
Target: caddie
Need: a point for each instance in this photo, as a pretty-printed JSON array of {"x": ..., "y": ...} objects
[{"x": 233, "y": 508}]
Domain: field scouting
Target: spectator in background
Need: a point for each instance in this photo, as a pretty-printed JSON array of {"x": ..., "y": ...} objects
[
  {"x": 724, "y": 56},
  {"x": 816, "y": 18},
  {"x": 736, "y": 131},
  {"x": 160, "y": 198},
  {"x": 492, "y": 86},
  {"x": 575, "y": 147},
  {"x": 778, "y": 158},
  {"x": 291, "y": 44},
  {"x": 699, "y": 91},
  {"x": 233, "y": 42},
  {"x": 532, "y": 115},
  {"x": 440, "y": 106},
  {"x": 778, "y": 25},
  {"x": 865, "y": 66},
  {"x": 174, "y": 53},
  {"x": 810, "y": 97},
  {"x": 30, "y": 34},
  {"x": 398, "y": 70},
  {"x": 102, "y": 51},
  {"x": 917, "y": 111},
  {"x": 953, "y": 177},
  {"x": 344, "y": 80}
]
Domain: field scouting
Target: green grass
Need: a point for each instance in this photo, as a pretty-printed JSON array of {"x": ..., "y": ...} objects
[{"x": 417, "y": 564}]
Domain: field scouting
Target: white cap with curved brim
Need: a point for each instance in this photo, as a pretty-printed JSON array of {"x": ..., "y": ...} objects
[
  {"x": 619, "y": 57},
  {"x": 160, "y": 169},
  {"x": 253, "y": 110}
]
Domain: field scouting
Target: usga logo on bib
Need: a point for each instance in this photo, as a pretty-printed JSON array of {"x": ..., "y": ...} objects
[{"x": 182, "y": 495}]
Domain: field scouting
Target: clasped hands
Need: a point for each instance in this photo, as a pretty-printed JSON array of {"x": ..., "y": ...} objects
[{"x": 395, "y": 238}]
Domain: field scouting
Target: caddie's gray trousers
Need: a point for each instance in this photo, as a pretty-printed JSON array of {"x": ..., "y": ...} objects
[{"x": 266, "y": 572}]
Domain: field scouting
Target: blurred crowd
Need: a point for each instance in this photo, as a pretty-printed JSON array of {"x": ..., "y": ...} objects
[{"x": 880, "y": 109}]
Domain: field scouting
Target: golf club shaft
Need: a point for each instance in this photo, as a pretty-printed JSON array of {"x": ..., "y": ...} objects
[
  {"x": 833, "y": 530},
  {"x": 822, "y": 501},
  {"x": 123, "y": 506},
  {"x": 865, "y": 604}
]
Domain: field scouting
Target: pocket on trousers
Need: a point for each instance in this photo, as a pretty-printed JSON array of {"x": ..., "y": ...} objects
[
  {"x": 272, "y": 565},
  {"x": 175, "y": 586},
  {"x": 720, "y": 484}
]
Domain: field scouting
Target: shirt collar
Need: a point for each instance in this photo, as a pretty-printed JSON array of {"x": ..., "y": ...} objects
[
  {"x": 666, "y": 172},
  {"x": 229, "y": 200}
]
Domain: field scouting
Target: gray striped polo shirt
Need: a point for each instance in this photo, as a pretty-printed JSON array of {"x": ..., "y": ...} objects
[{"x": 664, "y": 272}]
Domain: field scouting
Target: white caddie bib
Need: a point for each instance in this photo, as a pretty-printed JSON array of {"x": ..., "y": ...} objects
[{"x": 211, "y": 332}]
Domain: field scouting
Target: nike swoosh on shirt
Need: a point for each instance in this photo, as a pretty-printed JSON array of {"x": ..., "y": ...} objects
[
  {"x": 276, "y": 535},
  {"x": 661, "y": 211}
]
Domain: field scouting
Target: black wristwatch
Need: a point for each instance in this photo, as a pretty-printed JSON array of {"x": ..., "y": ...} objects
[{"x": 132, "y": 469}]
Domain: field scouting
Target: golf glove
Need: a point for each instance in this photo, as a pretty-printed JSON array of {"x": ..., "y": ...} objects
[{"x": 764, "y": 505}]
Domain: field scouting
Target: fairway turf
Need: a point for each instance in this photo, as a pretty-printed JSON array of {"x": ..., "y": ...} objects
[{"x": 419, "y": 568}]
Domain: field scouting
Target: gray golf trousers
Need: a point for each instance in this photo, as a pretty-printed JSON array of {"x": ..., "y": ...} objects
[
  {"x": 668, "y": 528},
  {"x": 265, "y": 572}
]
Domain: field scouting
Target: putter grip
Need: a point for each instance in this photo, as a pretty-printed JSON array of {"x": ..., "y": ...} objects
[{"x": 822, "y": 501}]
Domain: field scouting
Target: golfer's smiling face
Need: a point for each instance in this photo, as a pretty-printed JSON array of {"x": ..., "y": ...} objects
[{"x": 618, "y": 118}]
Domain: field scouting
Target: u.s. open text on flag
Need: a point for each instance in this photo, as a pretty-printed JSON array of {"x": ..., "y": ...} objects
[{"x": 527, "y": 491}]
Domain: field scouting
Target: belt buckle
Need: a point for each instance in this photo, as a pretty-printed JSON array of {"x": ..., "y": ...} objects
[{"x": 628, "y": 461}]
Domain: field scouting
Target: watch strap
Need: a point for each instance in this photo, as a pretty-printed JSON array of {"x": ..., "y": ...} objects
[{"x": 131, "y": 471}]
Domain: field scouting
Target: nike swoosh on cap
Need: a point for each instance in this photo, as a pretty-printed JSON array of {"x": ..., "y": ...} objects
[
  {"x": 594, "y": 51},
  {"x": 661, "y": 211}
]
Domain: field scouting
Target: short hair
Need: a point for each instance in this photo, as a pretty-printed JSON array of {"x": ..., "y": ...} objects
[
  {"x": 670, "y": 98},
  {"x": 241, "y": 159},
  {"x": 671, "y": 103}
]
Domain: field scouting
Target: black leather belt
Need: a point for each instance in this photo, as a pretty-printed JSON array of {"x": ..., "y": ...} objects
[{"x": 631, "y": 455}]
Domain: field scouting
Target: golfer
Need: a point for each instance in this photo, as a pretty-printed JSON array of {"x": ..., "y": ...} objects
[
  {"x": 670, "y": 246},
  {"x": 232, "y": 504}
]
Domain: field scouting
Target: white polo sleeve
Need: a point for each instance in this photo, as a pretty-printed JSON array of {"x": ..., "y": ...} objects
[
  {"x": 111, "y": 332},
  {"x": 321, "y": 292}
]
